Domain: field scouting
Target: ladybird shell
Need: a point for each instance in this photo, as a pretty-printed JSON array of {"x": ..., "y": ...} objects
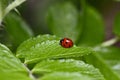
[{"x": 66, "y": 42}]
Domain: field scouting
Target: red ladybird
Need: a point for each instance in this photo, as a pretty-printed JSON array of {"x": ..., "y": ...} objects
[{"x": 66, "y": 42}]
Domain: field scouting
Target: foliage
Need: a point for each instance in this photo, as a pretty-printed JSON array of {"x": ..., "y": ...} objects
[{"x": 43, "y": 58}]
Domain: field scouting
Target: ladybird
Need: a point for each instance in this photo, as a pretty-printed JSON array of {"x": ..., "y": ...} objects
[{"x": 66, "y": 42}]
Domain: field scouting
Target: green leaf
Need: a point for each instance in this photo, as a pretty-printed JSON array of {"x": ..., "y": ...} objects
[
  {"x": 46, "y": 46},
  {"x": 65, "y": 76},
  {"x": 107, "y": 60},
  {"x": 63, "y": 20},
  {"x": 93, "y": 28},
  {"x": 69, "y": 66},
  {"x": 26, "y": 45},
  {"x": 8, "y": 62},
  {"x": 13, "y": 24},
  {"x": 116, "y": 27},
  {"x": 13, "y": 76},
  {"x": 6, "y": 6}
]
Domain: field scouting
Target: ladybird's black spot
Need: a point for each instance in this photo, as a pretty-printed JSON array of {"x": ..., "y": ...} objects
[{"x": 66, "y": 42}]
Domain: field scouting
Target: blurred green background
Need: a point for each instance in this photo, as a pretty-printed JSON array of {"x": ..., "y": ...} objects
[{"x": 34, "y": 14}]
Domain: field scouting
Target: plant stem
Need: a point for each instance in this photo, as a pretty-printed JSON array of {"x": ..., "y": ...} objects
[
  {"x": 13, "y": 5},
  {"x": 110, "y": 42},
  {"x": 30, "y": 73}
]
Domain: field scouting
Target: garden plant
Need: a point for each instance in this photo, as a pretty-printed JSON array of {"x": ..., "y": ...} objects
[{"x": 27, "y": 55}]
